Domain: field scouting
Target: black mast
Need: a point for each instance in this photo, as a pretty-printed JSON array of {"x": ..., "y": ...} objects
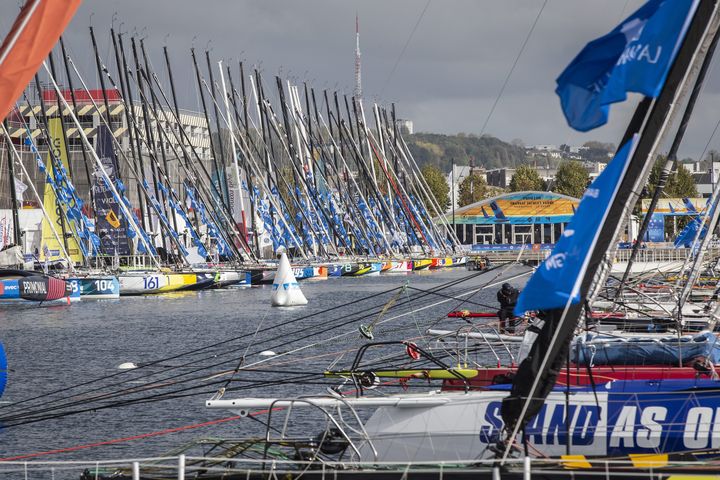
[
  {"x": 14, "y": 204},
  {"x": 86, "y": 161},
  {"x": 537, "y": 374},
  {"x": 671, "y": 161}
]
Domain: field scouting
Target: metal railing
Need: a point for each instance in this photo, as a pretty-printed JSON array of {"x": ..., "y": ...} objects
[{"x": 182, "y": 467}]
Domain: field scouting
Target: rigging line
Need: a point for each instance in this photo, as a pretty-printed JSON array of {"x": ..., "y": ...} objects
[
  {"x": 512, "y": 69},
  {"x": 207, "y": 367},
  {"x": 707, "y": 145},
  {"x": 402, "y": 52},
  {"x": 185, "y": 392},
  {"x": 197, "y": 350},
  {"x": 158, "y": 383},
  {"x": 131, "y": 401}
]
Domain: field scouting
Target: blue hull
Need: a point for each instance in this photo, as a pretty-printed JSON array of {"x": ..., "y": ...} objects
[
  {"x": 96, "y": 287},
  {"x": 621, "y": 418}
]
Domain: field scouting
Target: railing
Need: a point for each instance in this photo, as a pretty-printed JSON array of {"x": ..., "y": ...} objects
[
  {"x": 182, "y": 467},
  {"x": 664, "y": 254},
  {"x": 650, "y": 254}
]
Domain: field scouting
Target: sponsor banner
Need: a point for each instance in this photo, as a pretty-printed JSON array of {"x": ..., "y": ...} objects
[
  {"x": 110, "y": 223},
  {"x": 520, "y": 208}
]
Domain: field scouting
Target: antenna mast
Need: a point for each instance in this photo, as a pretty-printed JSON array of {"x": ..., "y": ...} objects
[{"x": 358, "y": 85}]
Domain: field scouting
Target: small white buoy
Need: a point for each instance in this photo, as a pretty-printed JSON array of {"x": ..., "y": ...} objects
[
  {"x": 286, "y": 291},
  {"x": 127, "y": 366},
  {"x": 267, "y": 353}
]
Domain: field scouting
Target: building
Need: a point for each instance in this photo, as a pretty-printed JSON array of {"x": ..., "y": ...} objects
[
  {"x": 405, "y": 126},
  {"x": 704, "y": 175},
  {"x": 500, "y": 177},
  {"x": 514, "y": 218},
  {"x": 25, "y": 119},
  {"x": 456, "y": 177}
]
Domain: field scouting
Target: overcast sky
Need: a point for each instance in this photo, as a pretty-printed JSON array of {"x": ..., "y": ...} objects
[{"x": 446, "y": 80}]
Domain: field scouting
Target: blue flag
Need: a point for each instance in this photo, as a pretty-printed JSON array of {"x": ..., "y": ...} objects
[
  {"x": 635, "y": 57},
  {"x": 686, "y": 238},
  {"x": 558, "y": 278}
]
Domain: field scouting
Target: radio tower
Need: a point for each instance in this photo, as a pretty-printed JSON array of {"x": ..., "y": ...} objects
[{"x": 358, "y": 84}]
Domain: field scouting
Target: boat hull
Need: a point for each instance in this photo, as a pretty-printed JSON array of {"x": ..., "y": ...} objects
[
  {"x": 97, "y": 288},
  {"x": 421, "y": 264},
  {"x": 33, "y": 286}
]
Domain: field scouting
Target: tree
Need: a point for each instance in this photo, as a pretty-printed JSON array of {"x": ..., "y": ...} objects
[
  {"x": 438, "y": 185},
  {"x": 526, "y": 178},
  {"x": 680, "y": 184},
  {"x": 472, "y": 189},
  {"x": 571, "y": 179}
]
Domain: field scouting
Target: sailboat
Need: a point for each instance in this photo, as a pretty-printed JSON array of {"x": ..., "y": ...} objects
[{"x": 657, "y": 414}]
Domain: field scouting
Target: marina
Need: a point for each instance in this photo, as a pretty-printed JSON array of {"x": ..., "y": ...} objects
[{"x": 212, "y": 268}]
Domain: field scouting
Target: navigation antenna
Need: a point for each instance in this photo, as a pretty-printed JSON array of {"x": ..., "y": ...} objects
[{"x": 358, "y": 83}]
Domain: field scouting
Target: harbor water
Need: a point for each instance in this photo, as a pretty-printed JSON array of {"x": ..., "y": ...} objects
[{"x": 51, "y": 348}]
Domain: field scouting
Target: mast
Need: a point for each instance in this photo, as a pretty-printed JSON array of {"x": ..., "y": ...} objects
[
  {"x": 51, "y": 151},
  {"x": 536, "y": 375},
  {"x": 130, "y": 112},
  {"x": 163, "y": 154},
  {"x": 220, "y": 173},
  {"x": 234, "y": 151},
  {"x": 14, "y": 204},
  {"x": 358, "y": 81},
  {"x": 213, "y": 150},
  {"x": 86, "y": 162},
  {"x": 150, "y": 145},
  {"x": 671, "y": 162},
  {"x": 246, "y": 168}
]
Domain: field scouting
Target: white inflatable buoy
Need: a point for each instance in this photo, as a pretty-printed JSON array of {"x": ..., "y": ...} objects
[
  {"x": 285, "y": 290},
  {"x": 127, "y": 366},
  {"x": 267, "y": 353}
]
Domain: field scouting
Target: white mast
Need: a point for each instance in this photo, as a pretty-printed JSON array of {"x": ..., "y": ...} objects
[
  {"x": 234, "y": 151},
  {"x": 358, "y": 83}
]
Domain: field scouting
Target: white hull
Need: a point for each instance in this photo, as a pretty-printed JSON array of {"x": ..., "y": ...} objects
[{"x": 142, "y": 284}]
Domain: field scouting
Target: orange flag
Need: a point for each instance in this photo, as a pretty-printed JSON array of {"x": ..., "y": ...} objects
[{"x": 33, "y": 35}]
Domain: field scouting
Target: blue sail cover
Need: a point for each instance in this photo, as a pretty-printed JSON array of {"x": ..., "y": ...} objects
[
  {"x": 612, "y": 350},
  {"x": 557, "y": 280},
  {"x": 634, "y": 57}
]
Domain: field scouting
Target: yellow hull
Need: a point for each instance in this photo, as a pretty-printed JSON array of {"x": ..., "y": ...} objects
[
  {"x": 416, "y": 373},
  {"x": 176, "y": 281},
  {"x": 421, "y": 264}
]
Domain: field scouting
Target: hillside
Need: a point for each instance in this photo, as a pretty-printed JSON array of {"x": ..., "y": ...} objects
[
  {"x": 486, "y": 151},
  {"x": 490, "y": 152}
]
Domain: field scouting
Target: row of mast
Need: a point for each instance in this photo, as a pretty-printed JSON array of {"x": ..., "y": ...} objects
[{"x": 307, "y": 172}]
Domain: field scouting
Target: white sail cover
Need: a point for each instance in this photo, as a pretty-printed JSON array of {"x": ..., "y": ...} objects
[
  {"x": 285, "y": 290},
  {"x": 12, "y": 256}
]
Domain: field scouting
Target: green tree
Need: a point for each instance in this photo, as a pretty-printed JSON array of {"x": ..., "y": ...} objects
[
  {"x": 438, "y": 185},
  {"x": 526, "y": 178},
  {"x": 571, "y": 179},
  {"x": 680, "y": 183},
  {"x": 472, "y": 189}
]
